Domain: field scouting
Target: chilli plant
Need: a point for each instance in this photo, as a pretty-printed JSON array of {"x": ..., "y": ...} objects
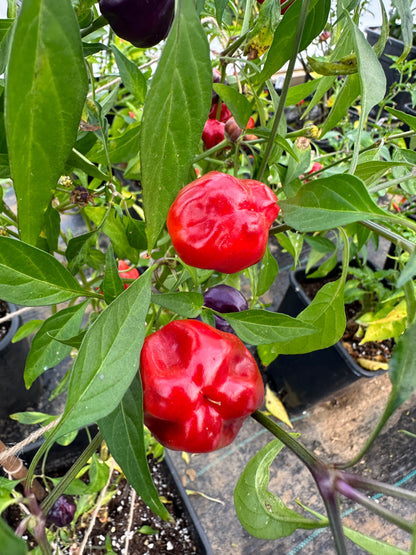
[{"x": 157, "y": 125}]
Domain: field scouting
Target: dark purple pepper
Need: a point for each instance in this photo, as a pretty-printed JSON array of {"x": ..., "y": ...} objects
[
  {"x": 224, "y": 298},
  {"x": 62, "y": 512},
  {"x": 144, "y": 23}
]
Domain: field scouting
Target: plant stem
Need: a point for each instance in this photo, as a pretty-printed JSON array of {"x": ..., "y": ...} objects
[
  {"x": 363, "y": 500},
  {"x": 71, "y": 474},
  {"x": 379, "y": 487},
  {"x": 96, "y": 24},
  {"x": 212, "y": 150},
  {"x": 285, "y": 88},
  {"x": 306, "y": 456},
  {"x": 326, "y": 488},
  {"x": 392, "y": 182},
  {"x": 392, "y": 236}
]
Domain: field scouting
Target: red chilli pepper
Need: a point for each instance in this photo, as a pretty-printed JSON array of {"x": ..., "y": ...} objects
[
  {"x": 213, "y": 133},
  {"x": 219, "y": 222},
  {"x": 225, "y": 112},
  {"x": 125, "y": 273},
  {"x": 199, "y": 385}
]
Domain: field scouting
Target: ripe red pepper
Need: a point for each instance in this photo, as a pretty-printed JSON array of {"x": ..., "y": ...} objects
[
  {"x": 199, "y": 385},
  {"x": 125, "y": 273},
  {"x": 224, "y": 115},
  {"x": 213, "y": 133},
  {"x": 219, "y": 222}
]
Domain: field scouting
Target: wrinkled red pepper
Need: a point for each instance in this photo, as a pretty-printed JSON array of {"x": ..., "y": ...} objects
[
  {"x": 213, "y": 133},
  {"x": 199, "y": 385},
  {"x": 219, "y": 222}
]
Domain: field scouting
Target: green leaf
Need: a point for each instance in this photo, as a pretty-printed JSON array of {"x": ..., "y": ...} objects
[
  {"x": 112, "y": 284},
  {"x": 32, "y": 277},
  {"x": 123, "y": 432},
  {"x": 268, "y": 270},
  {"x": 136, "y": 234},
  {"x": 296, "y": 165},
  {"x": 330, "y": 202},
  {"x": 170, "y": 136},
  {"x": 78, "y": 249},
  {"x": 6, "y": 34},
  {"x": 108, "y": 358},
  {"x": 372, "y": 79},
  {"x": 404, "y": 8},
  {"x": 260, "y": 327},
  {"x": 45, "y": 91},
  {"x": 372, "y": 545},
  {"x": 26, "y": 329},
  {"x": 371, "y": 171},
  {"x": 343, "y": 100},
  {"x": 185, "y": 304},
  {"x": 130, "y": 74},
  {"x": 326, "y": 313},
  {"x": 402, "y": 370},
  {"x": 402, "y": 116},
  {"x": 238, "y": 104},
  {"x": 284, "y": 37},
  {"x": 46, "y": 352},
  {"x": 98, "y": 474},
  {"x": 408, "y": 271},
  {"x": 263, "y": 514},
  {"x": 80, "y": 162},
  {"x": 120, "y": 148},
  {"x": 300, "y": 92},
  {"x": 10, "y": 543},
  {"x": 117, "y": 229},
  {"x": 220, "y": 6}
]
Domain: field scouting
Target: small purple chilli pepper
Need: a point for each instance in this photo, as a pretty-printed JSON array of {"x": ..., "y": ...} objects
[
  {"x": 62, "y": 512},
  {"x": 224, "y": 298}
]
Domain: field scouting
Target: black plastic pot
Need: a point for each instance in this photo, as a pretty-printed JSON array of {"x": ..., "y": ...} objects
[
  {"x": 300, "y": 381},
  {"x": 393, "y": 47},
  {"x": 14, "y": 395}
]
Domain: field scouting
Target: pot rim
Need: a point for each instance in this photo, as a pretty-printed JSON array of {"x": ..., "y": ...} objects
[{"x": 15, "y": 322}]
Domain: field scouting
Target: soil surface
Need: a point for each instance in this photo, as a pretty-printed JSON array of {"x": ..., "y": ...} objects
[
  {"x": 119, "y": 522},
  {"x": 4, "y": 310}
]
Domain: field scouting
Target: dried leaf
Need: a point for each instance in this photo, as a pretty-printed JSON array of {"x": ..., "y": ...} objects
[{"x": 275, "y": 406}]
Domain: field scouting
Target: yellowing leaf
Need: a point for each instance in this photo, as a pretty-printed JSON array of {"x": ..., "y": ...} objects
[
  {"x": 392, "y": 325},
  {"x": 186, "y": 457},
  {"x": 372, "y": 364},
  {"x": 275, "y": 406}
]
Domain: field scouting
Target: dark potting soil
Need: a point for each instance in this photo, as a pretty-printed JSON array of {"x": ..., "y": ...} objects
[
  {"x": 4, "y": 310},
  {"x": 112, "y": 523},
  {"x": 379, "y": 351}
]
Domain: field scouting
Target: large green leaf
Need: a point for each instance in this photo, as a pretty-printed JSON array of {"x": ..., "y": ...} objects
[
  {"x": 326, "y": 312},
  {"x": 123, "y": 431},
  {"x": 108, "y": 358},
  {"x": 260, "y": 327},
  {"x": 45, "y": 351},
  {"x": 45, "y": 91},
  {"x": 10, "y": 543},
  {"x": 284, "y": 37},
  {"x": 32, "y": 277},
  {"x": 174, "y": 116},
  {"x": 330, "y": 202},
  {"x": 263, "y": 514}
]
